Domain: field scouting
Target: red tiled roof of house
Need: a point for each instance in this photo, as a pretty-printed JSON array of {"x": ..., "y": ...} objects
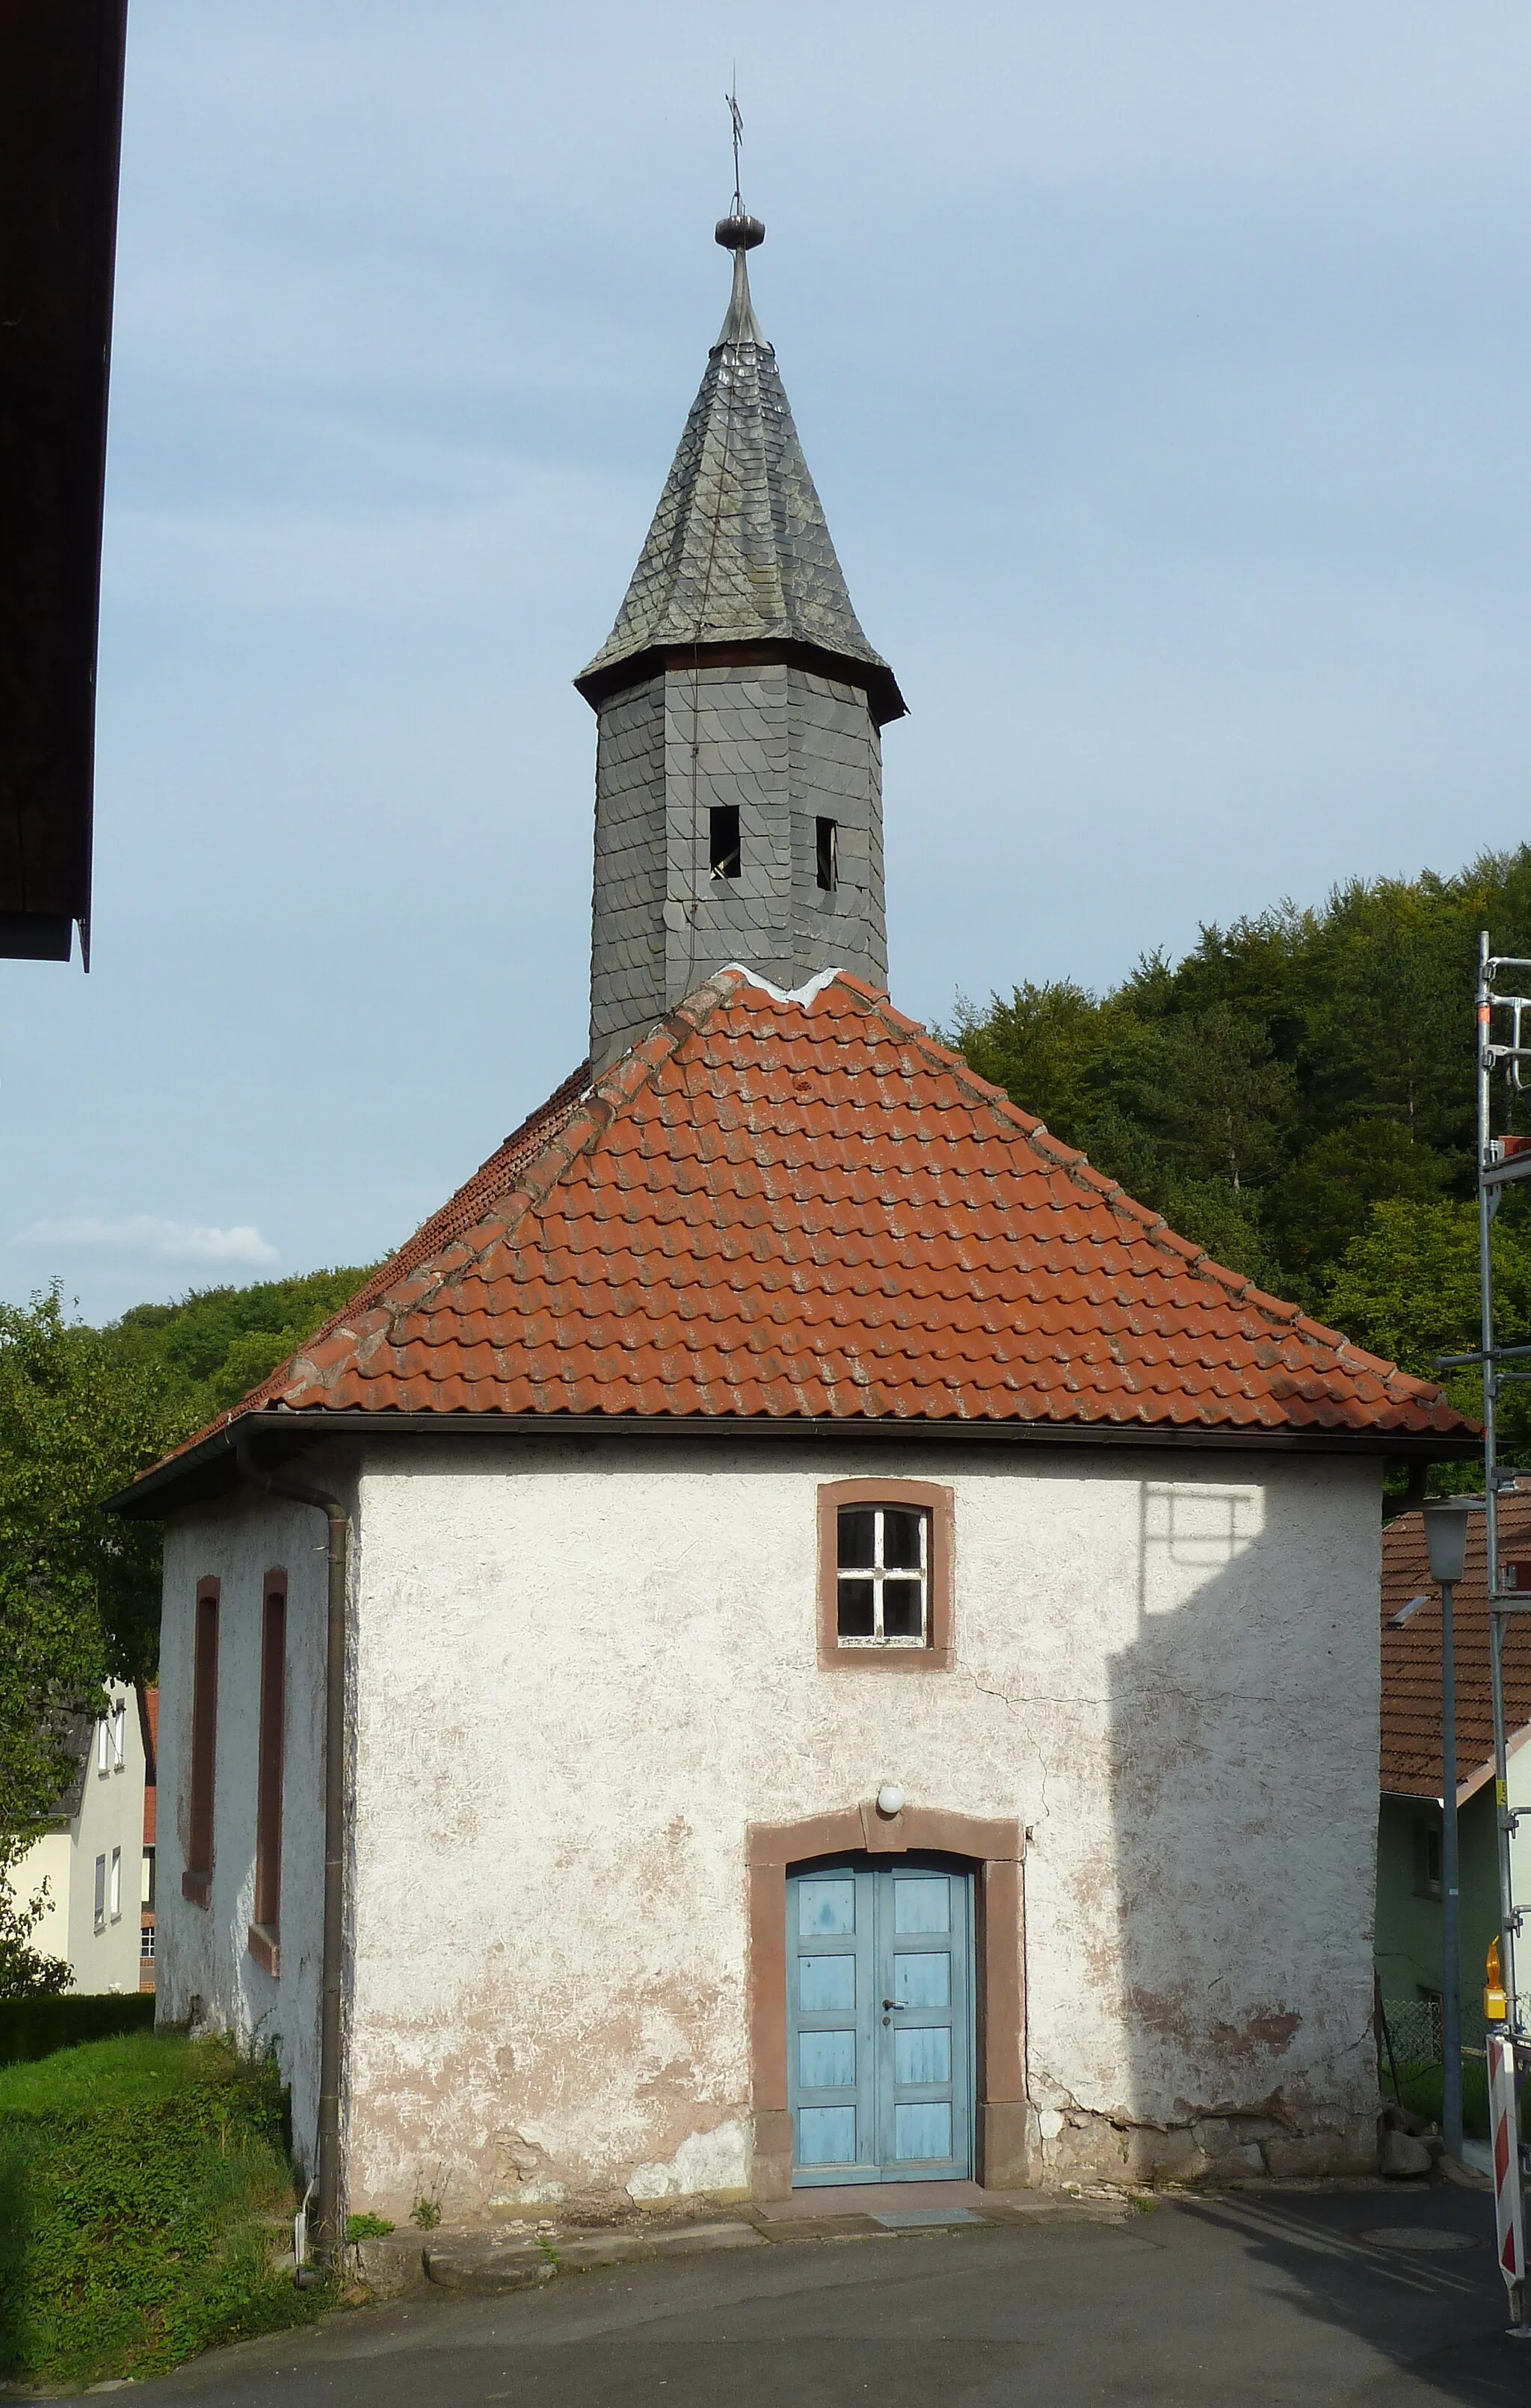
[
  {"x": 805, "y": 1206},
  {"x": 1412, "y": 1653}
]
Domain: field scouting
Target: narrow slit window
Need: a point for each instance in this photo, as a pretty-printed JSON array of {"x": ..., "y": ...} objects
[
  {"x": 883, "y": 1576},
  {"x": 103, "y": 1744},
  {"x": 197, "y": 1880},
  {"x": 273, "y": 1731},
  {"x": 116, "y": 1885},
  {"x": 828, "y": 854},
  {"x": 119, "y": 1734},
  {"x": 723, "y": 837},
  {"x": 100, "y": 1893}
]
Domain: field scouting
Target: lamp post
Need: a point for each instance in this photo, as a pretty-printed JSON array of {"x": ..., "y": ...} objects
[{"x": 1446, "y": 1537}]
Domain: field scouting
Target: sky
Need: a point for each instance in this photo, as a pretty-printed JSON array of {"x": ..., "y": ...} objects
[{"x": 1163, "y": 370}]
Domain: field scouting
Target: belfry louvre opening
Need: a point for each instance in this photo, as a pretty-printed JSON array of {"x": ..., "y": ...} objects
[
  {"x": 827, "y": 855},
  {"x": 883, "y": 1576},
  {"x": 724, "y": 859}
]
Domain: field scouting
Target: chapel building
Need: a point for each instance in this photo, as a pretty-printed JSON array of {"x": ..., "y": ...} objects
[{"x": 845, "y": 1652}]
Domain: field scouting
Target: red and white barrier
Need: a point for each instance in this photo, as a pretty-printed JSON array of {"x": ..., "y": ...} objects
[{"x": 1508, "y": 2212}]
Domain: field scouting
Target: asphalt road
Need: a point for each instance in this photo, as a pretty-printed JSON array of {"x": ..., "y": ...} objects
[{"x": 1243, "y": 2302}]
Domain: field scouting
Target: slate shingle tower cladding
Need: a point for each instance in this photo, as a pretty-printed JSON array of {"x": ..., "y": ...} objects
[{"x": 736, "y": 679}]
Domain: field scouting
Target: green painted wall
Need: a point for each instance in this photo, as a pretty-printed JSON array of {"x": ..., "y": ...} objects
[{"x": 1408, "y": 1937}]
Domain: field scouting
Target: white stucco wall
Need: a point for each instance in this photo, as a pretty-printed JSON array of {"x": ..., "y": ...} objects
[
  {"x": 583, "y": 1671},
  {"x": 41, "y": 1877},
  {"x": 110, "y": 1817},
  {"x": 203, "y": 1952}
]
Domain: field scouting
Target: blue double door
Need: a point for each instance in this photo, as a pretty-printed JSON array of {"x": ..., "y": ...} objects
[{"x": 879, "y": 2021}]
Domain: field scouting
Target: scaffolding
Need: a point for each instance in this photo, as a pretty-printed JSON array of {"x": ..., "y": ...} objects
[
  {"x": 1503, "y": 1025},
  {"x": 1504, "y": 1055}
]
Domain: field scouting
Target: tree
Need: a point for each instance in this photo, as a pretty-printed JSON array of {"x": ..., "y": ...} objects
[
  {"x": 78, "y": 1588},
  {"x": 1407, "y": 1289},
  {"x": 25, "y": 1973},
  {"x": 1290, "y": 1074}
]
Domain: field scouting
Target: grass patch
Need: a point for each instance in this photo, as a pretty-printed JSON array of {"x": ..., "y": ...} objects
[{"x": 138, "y": 2178}]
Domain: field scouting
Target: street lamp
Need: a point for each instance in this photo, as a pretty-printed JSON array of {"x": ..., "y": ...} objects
[{"x": 1446, "y": 1539}]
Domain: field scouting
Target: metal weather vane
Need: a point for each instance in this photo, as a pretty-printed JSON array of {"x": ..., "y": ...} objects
[{"x": 732, "y": 98}]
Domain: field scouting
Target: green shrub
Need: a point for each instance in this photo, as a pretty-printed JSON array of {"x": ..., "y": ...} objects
[
  {"x": 35, "y": 2026},
  {"x": 141, "y": 2184}
]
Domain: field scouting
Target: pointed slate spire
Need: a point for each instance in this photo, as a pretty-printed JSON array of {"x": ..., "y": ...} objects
[
  {"x": 739, "y": 552},
  {"x": 739, "y": 709}
]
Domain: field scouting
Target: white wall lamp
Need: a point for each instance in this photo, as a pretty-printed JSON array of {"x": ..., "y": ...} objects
[{"x": 890, "y": 1800}]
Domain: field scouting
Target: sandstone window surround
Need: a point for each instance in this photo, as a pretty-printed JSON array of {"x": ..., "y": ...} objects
[
  {"x": 196, "y": 1880},
  {"x": 264, "y": 1934},
  {"x": 894, "y": 1610}
]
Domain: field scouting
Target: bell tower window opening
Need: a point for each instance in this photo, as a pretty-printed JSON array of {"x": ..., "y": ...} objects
[
  {"x": 827, "y": 852},
  {"x": 723, "y": 840}
]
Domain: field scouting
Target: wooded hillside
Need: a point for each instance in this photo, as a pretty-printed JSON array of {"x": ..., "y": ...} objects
[{"x": 1297, "y": 1096}]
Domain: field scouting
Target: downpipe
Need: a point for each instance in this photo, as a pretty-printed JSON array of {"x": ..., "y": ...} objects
[{"x": 327, "y": 2178}]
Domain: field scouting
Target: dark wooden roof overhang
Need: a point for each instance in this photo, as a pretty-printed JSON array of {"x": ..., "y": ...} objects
[
  {"x": 61, "y": 112},
  {"x": 207, "y": 1471}
]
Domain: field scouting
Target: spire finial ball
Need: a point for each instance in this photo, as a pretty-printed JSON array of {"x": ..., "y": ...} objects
[{"x": 739, "y": 231}]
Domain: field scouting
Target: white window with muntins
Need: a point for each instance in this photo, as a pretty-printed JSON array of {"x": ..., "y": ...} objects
[{"x": 883, "y": 1576}]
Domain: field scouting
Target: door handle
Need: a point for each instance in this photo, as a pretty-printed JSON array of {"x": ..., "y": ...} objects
[{"x": 899, "y": 2005}]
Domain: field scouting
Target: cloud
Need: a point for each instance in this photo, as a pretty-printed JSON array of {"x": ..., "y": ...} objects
[{"x": 148, "y": 1238}]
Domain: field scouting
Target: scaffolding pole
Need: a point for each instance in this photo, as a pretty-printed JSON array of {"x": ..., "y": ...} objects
[{"x": 1501, "y": 1162}]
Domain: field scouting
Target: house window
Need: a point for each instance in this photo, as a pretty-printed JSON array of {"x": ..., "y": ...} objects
[
  {"x": 827, "y": 850},
  {"x": 103, "y": 1744},
  {"x": 119, "y": 1724},
  {"x": 1427, "y": 1859},
  {"x": 264, "y": 1931},
  {"x": 146, "y": 1944},
  {"x": 723, "y": 837},
  {"x": 100, "y": 1893},
  {"x": 882, "y": 1575},
  {"x": 117, "y": 1884},
  {"x": 885, "y": 1549},
  {"x": 196, "y": 1880}
]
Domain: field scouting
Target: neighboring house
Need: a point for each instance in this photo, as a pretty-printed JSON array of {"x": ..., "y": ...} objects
[
  {"x": 91, "y": 1856},
  {"x": 1409, "y": 1836},
  {"x": 859, "y": 1643}
]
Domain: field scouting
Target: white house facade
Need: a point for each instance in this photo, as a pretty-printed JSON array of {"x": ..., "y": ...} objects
[
  {"x": 87, "y": 1868},
  {"x": 795, "y": 1636}
]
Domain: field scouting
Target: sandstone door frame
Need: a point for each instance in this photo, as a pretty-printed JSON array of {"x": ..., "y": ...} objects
[{"x": 995, "y": 1850}]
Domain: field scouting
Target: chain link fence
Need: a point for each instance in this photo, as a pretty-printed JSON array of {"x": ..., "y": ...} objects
[{"x": 1413, "y": 2026}]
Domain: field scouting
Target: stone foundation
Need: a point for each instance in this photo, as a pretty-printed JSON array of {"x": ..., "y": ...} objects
[{"x": 1072, "y": 2145}]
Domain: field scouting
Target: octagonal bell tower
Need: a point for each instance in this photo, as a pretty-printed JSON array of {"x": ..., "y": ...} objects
[{"x": 738, "y": 767}]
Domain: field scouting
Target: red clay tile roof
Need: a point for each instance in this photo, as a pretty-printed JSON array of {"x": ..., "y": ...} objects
[
  {"x": 1411, "y": 1654},
  {"x": 779, "y": 1207}
]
